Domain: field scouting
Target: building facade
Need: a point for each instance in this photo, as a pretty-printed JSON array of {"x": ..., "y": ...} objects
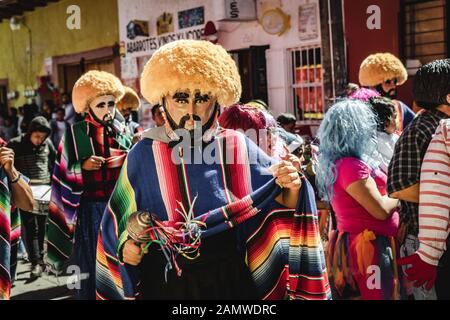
[
  {"x": 296, "y": 55},
  {"x": 50, "y": 48},
  {"x": 417, "y": 31},
  {"x": 276, "y": 44}
]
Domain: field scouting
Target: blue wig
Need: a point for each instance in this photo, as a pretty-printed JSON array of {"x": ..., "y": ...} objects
[{"x": 348, "y": 130}]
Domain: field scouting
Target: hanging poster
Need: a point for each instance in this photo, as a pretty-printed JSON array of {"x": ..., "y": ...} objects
[
  {"x": 137, "y": 28},
  {"x": 191, "y": 18},
  {"x": 308, "y": 22},
  {"x": 164, "y": 23}
]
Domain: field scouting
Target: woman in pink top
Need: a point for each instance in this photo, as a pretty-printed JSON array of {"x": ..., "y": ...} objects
[{"x": 362, "y": 252}]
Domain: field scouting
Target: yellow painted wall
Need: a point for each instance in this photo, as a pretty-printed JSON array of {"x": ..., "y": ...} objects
[{"x": 51, "y": 37}]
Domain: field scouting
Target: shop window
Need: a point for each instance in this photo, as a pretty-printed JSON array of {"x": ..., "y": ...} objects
[
  {"x": 423, "y": 30},
  {"x": 307, "y": 86}
]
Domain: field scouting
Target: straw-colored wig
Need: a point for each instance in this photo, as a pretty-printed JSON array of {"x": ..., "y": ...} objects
[
  {"x": 191, "y": 64},
  {"x": 129, "y": 100},
  {"x": 94, "y": 84},
  {"x": 379, "y": 67}
]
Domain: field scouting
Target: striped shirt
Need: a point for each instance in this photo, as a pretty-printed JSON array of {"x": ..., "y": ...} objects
[
  {"x": 404, "y": 168},
  {"x": 434, "y": 205}
]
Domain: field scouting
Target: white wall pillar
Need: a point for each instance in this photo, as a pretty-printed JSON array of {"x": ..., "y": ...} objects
[{"x": 277, "y": 80}]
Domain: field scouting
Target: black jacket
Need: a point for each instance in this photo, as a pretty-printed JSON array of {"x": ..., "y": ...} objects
[{"x": 34, "y": 162}]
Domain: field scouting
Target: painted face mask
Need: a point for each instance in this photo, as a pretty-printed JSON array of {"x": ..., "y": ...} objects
[
  {"x": 188, "y": 109},
  {"x": 388, "y": 89},
  {"x": 191, "y": 110},
  {"x": 103, "y": 109},
  {"x": 126, "y": 113}
]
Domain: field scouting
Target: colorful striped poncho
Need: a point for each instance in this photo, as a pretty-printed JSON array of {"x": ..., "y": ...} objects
[
  {"x": 282, "y": 246},
  {"x": 67, "y": 186},
  {"x": 9, "y": 237}
]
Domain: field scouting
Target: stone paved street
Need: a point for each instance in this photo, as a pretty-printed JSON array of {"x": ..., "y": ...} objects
[{"x": 47, "y": 287}]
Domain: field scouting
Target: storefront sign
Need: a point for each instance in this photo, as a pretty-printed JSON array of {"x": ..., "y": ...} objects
[
  {"x": 154, "y": 43},
  {"x": 181, "y": 21},
  {"x": 240, "y": 10},
  {"x": 308, "y": 23},
  {"x": 191, "y": 18}
]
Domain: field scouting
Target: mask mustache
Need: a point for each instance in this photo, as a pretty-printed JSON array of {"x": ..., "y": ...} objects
[
  {"x": 107, "y": 117},
  {"x": 187, "y": 117}
]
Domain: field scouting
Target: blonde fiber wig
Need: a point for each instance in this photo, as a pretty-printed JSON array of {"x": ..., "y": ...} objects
[
  {"x": 94, "y": 84},
  {"x": 129, "y": 100},
  {"x": 191, "y": 64},
  {"x": 379, "y": 67}
]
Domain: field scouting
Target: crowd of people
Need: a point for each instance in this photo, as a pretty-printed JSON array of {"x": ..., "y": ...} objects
[
  {"x": 389, "y": 184},
  {"x": 220, "y": 199}
]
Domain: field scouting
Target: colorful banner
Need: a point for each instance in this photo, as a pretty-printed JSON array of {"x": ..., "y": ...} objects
[{"x": 191, "y": 18}]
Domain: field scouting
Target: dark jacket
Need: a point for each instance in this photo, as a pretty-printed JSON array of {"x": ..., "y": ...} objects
[{"x": 34, "y": 162}]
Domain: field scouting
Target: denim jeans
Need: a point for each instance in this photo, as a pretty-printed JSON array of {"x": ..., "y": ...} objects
[
  {"x": 34, "y": 226},
  {"x": 88, "y": 224}
]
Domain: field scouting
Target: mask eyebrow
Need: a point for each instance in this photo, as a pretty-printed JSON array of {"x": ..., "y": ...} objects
[
  {"x": 101, "y": 105},
  {"x": 181, "y": 95},
  {"x": 111, "y": 104},
  {"x": 199, "y": 96}
]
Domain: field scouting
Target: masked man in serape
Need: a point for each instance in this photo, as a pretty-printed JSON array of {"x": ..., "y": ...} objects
[
  {"x": 384, "y": 72},
  {"x": 14, "y": 190},
  {"x": 130, "y": 103},
  {"x": 90, "y": 157},
  {"x": 223, "y": 225}
]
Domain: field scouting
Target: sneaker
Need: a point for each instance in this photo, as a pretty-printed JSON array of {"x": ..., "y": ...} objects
[
  {"x": 36, "y": 271},
  {"x": 22, "y": 257}
]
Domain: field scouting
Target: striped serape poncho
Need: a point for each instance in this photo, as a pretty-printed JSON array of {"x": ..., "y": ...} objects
[
  {"x": 9, "y": 237},
  {"x": 79, "y": 142},
  {"x": 282, "y": 246}
]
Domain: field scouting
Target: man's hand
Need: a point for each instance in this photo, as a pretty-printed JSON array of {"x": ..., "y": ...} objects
[
  {"x": 21, "y": 194},
  {"x": 287, "y": 176},
  {"x": 7, "y": 159},
  {"x": 294, "y": 160},
  {"x": 93, "y": 163},
  {"x": 136, "y": 138},
  {"x": 132, "y": 253},
  {"x": 420, "y": 273}
]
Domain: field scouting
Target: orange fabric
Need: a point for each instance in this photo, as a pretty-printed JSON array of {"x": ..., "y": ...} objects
[{"x": 365, "y": 250}]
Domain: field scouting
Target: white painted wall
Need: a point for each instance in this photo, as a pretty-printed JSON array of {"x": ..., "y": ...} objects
[{"x": 233, "y": 36}]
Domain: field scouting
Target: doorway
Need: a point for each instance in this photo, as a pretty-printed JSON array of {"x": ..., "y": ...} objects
[
  {"x": 252, "y": 68},
  {"x": 68, "y": 68},
  {"x": 70, "y": 73}
]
